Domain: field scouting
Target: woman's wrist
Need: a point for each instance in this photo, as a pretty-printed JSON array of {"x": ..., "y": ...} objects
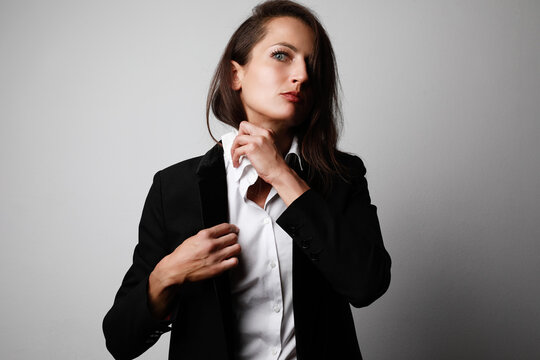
[
  {"x": 289, "y": 185},
  {"x": 161, "y": 278},
  {"x": 161, "y": 290}
]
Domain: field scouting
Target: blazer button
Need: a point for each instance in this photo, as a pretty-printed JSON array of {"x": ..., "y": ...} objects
[
  {"x": 293, "y": 230},
  {"x": 304, "y": 244}
]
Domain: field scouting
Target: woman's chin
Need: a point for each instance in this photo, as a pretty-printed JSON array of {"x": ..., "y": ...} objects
[
  {"x": 285, "y": 122},
  {"x": 278, "y": 120}
]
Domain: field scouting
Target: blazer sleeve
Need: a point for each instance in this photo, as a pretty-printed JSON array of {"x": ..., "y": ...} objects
[
  {"x": 129, "y": 327},
  {"x": 341, "y": 235}
]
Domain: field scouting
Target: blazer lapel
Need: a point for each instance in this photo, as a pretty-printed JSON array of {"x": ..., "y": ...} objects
[{"x": 212, "y": 179}]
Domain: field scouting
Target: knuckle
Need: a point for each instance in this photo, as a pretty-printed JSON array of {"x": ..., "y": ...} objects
[
  {"x": 204, "y": 233},
  {"x": 210, "y": 246},
  {"x": 204, "y": 248}
]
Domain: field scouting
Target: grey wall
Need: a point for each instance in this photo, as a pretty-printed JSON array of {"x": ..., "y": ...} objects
[{"x": 441, "y": 100}]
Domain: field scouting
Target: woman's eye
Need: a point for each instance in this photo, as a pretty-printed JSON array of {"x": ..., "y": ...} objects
[{"x": 281, "y": 56}]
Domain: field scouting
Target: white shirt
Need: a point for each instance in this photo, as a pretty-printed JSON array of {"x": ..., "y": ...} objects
[{"x": 261, "y": 284}]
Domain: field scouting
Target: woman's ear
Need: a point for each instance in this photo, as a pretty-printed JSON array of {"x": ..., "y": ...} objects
[{"x": 237, "y": 75}]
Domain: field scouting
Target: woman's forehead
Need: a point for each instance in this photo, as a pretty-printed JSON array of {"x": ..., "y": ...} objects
[{"x": 291, "y": 31}]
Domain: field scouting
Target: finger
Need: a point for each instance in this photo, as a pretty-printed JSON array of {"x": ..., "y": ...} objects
[
  {"x": 221, "y": 229},
  {"x": 226, "y": 264},
  {"x": 226, "y": 240},
  {"x": 241, "y": 140},
  {"x": 215, "y": 269},
  {"x": 247, "y": 128},
  {"x": 238, "y": 141},
  {"x": 228, "y": 252},
  {"x": 238, "y": 152}
]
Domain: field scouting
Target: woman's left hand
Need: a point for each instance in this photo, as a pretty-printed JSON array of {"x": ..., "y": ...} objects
[{"x": 258, "y": 145}]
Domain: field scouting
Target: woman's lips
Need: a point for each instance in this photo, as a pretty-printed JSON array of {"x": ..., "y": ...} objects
[{"x": 292, "y": 96}]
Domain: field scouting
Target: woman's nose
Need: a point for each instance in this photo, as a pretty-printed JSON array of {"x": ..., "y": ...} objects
[{"x": 300, "y": 74}]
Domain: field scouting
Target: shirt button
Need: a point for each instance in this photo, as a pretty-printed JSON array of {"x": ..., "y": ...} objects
[
  {"x": 272, "y": 264},
  {"x": 274, "y": 351},
  {"x": 277, "y": 308},
  {"x": 266, "y": 220}
]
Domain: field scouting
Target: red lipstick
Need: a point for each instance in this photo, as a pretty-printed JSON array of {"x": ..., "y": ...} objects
[{"x": 292, "y": 96}]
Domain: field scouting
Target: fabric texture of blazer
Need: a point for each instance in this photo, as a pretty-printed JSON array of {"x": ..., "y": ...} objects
[{"x": 338, "y": 259}]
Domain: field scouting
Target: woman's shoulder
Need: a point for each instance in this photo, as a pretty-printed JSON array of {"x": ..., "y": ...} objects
[
  {"x": 211, "y": 161},
  {"x": 182, "y": 167},
  {"x": 351, "y": 163},
  {"x": 349, "y": 170}
]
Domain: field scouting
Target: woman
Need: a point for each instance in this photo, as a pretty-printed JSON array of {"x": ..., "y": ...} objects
[{"x": 256, "y": 249}]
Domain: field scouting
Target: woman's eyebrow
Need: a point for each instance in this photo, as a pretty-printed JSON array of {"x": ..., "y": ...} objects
[{"x": 286, "y": 44}]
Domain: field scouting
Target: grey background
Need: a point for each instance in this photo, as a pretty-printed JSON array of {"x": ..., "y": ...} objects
[{"x": 441, "y": 100}]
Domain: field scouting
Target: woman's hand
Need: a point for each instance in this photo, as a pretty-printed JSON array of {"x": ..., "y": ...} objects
[
  {"x": 259, "y": 146},
  {"x": 207, "y": 254}
]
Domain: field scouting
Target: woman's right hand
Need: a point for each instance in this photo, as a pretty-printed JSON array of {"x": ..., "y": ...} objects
[{"x": 207, "y": 254}]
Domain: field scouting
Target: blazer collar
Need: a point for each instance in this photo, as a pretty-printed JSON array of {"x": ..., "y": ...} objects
[
  {"x": 212, "y": 180},
  {"x": 212, "y": 162}
]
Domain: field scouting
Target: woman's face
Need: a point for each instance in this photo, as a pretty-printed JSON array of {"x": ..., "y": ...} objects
[{"x": 274, "y": 84}]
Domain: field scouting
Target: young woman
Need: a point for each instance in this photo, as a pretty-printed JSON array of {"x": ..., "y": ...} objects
[{"x": 256, "y": 249}]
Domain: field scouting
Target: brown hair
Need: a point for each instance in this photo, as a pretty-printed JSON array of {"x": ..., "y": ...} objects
[{"x": 318, "y": 134}]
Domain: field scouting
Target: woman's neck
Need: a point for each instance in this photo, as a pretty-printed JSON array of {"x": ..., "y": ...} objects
[{"x": 283, "y": 143}]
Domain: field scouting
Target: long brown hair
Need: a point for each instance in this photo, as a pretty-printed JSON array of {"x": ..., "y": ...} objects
[{"x": 318, "y": 134}]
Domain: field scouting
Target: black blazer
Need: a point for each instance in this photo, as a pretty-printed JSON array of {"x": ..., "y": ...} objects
[{"x": 338, "y": 259}]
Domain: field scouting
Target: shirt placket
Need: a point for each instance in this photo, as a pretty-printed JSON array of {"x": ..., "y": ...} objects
[{"x": 272, "y": 267}]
